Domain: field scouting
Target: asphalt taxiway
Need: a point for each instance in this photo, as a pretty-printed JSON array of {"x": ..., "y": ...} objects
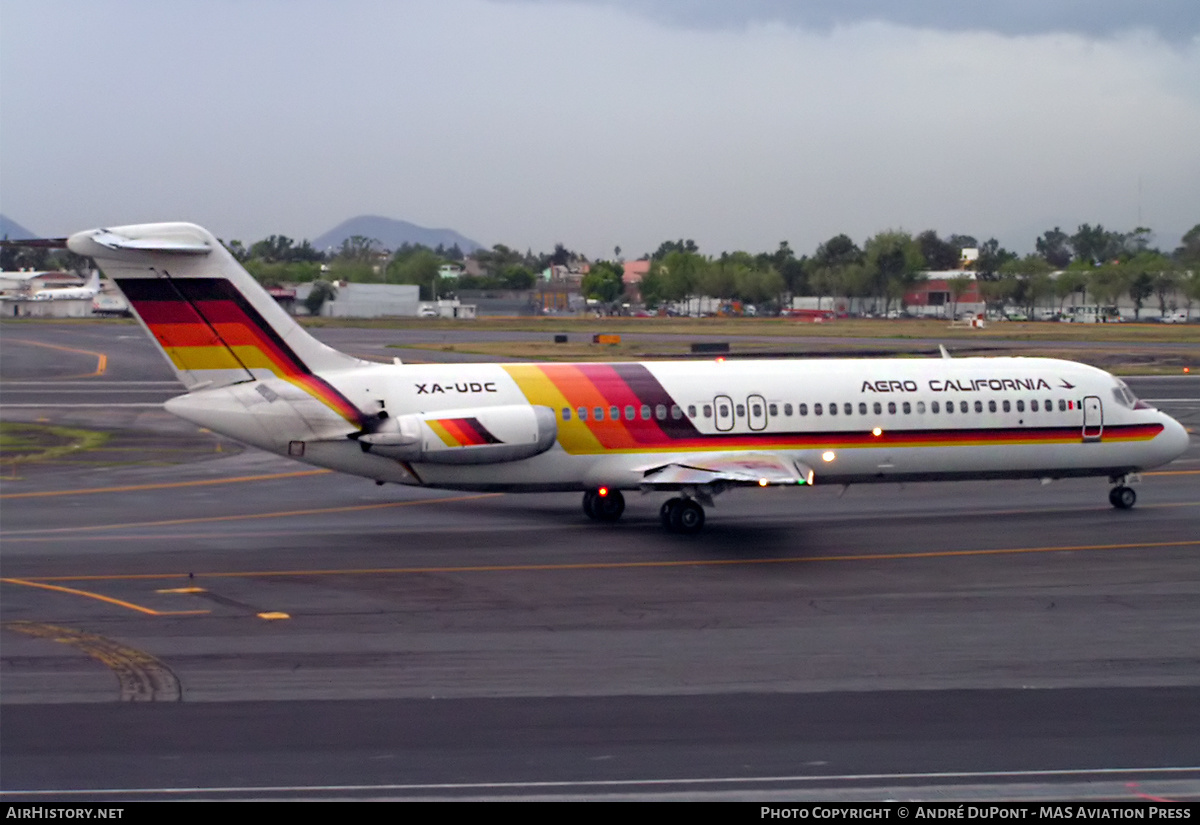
[{"x": 215, "y": 622}]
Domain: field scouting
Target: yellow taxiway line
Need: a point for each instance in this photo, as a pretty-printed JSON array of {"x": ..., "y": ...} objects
[
  {"x": 101, "y": 358},
  {"x": 627, "y": 565},
  {"x": 28, "y": 535},
  {"x": 109, "y": 599},
  {"x": 167, "y": 485}
]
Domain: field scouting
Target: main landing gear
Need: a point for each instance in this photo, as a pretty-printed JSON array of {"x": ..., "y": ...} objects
[
  {"x": 682, "y": 515},
  {"x": 603, "y": 504},
  {"x": 1122, "y": 497},
  {"x": 678, "y": 515}
]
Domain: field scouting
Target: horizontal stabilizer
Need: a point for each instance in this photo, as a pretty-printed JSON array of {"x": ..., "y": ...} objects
[
  {"x": 726, "y": 469},
  {"x": 176, "y": 246}
]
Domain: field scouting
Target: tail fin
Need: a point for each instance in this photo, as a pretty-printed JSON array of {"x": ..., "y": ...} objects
[{"x": 212, "y": 321}]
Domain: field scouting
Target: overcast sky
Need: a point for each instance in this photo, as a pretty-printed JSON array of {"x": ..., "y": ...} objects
[{"x": 604, "y": 123}]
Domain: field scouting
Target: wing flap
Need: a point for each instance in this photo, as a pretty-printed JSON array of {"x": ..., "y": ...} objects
[{"x": 731, "y": 469}]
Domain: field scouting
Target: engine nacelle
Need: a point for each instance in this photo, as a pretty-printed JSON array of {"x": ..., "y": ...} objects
[{"x": 479, "y": 435}]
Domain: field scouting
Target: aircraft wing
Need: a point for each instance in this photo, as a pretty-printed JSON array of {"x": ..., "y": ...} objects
[{"x": 726, "y": 470}]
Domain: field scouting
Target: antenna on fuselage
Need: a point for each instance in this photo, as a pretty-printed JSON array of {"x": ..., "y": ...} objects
[{"x": 942, "y": 350}]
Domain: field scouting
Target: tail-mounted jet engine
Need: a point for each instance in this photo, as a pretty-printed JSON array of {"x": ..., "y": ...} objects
[{"x": 480, "y": 435}]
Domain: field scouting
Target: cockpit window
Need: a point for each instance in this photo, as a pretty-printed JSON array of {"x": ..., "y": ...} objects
[{"x": 1126, "y": 398}]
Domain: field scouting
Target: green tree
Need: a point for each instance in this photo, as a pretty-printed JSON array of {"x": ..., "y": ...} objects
[
  {"x": 992, "y": 256},
  {"x": 958, "y": 287},
  {"x": 1188, "y": 253},
  {"x": 1107, "y": 282},
  {"x": 1054, "y": 246},
  {"x": 419, "y": 267},
  {"x": 1033, "y": 282},
  {"x": 359, "y": 249},
  {"x": 517, "y": 276},
  {"x": 938, "y": 254},
  {"x": 893, "y": 261},
  {"x": 321, "y": 292},
  {"x": 603, "y": 283}
]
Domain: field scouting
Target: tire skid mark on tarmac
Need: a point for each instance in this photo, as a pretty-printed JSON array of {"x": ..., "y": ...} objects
[{"x": 142, "y": 677}]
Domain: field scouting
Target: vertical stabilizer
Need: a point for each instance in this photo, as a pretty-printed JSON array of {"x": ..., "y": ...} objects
[{"x": 212, "y": 321}]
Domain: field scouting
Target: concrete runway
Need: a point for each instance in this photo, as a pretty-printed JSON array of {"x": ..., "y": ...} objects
[{"x": 195, "y": 616}]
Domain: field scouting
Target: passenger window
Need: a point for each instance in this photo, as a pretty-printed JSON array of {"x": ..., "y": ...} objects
[
  {"x": 566, "y": 413},
  {"x": 1062, "y": 405},
  {"x": 891, "y": 408},
  {"x": 741, "y": 410},
  {"x": 962, "y": 407},
  {"x": 645, "y": 412},
  {"x": 848, "y": 408},
  {"x": 978, "y": 406},
  {"x": 921, "y": 408},
  {"x": 1049, "y": 405},
  {"x": 692, "y": 411},
  {"x": 787, "y": 409},
  {"x": 816, "y": 409},
  {"x": 878, "y": 408},
  {"x": 660, "y": 412},
  {"x": 862, "y": 408},
  {"x": 1021, "y": 406},
  {"x": 772, "y": 409},
  {"x": 676, "y": 413},
  {"x": 629, "y": 413},
  {"x": 802, "y": 409},
  {"x": 1007, "y": 407},
  {"x": 907, "y": 408},
  {"x": 614, "y": 413},
  {"x": 756, "y": 410},
  {"x": 949, "y": 407},
  {"x": 708, "y": 410},
  {"x": 934, "y": 406},
  {"x": 723, "y": 411},
  {"x": 833, "y": 409},
  {"x": 582, "y": 413},
  {"x": 991, "y": 406},
  {"x": 598, "y": 413}
]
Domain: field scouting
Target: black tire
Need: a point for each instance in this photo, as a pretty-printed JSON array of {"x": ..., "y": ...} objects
[
  {"x": 1123, "y": 498},
  {"x": 608, "y": 507},
  {"x": 687, "y": 518},
  {"x": 589, "y": 504},
  {"x": 666, "y": 513}
]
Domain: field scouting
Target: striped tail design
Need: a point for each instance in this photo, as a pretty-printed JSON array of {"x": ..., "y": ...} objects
[{"x": 210, "y": 319}]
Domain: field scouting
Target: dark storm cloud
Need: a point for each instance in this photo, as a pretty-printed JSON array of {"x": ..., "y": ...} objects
[{"x": 1175, "y": 20}]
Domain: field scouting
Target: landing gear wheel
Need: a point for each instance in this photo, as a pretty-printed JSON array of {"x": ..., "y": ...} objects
[
  {"x": 682, "y": 515},
  {"x": 1122, "y": 498},
  {"x": 669, "y": 506},
  {"x": 688, "y": 517},
  {"x": 608, "y": 507}
]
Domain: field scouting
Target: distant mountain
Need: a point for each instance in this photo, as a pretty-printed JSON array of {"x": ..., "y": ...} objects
[
  {"x": 393, "y": 234},
  {"x": 14, "y": 231}
]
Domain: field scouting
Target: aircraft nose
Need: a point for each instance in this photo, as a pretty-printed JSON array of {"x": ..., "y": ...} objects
[{"x": 1175, "y": 439}]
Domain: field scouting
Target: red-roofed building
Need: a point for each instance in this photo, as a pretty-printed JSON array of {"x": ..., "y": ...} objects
[{"x": 632, "y": 279}]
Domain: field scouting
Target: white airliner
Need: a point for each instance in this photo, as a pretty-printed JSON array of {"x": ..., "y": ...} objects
[
  {"x": 691, "y": 428},
  {"x": 59, "y": 293}
]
